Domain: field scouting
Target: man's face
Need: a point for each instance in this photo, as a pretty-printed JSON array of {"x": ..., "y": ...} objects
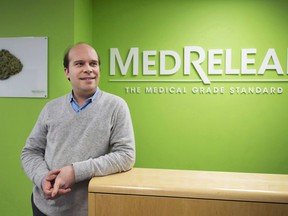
[{"x": 84, "y": 70}]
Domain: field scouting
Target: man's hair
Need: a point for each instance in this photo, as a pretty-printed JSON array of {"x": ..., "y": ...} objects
[{"x": 66, "y": 55}]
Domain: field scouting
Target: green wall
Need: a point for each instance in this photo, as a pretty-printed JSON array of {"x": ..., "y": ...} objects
[
  {"x": 225, "y": 132},
  {"x": 243, "y": 133},
  {"x": 54, "y": 19}
]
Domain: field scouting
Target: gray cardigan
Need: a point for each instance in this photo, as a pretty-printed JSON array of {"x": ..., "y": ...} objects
[{"x": 98, "y": 141}]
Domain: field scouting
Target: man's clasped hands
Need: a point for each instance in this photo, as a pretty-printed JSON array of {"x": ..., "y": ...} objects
[{"x": 58, "y": 182}]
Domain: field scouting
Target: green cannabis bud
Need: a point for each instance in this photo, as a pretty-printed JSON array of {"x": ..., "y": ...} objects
[{"x": 9, "y": 64}]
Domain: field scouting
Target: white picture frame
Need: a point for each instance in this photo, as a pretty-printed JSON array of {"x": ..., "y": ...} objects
[{"x": 32, "y": 80}]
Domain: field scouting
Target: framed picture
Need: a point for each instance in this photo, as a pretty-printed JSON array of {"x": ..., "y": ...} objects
[{"x": 23, "y": 67}]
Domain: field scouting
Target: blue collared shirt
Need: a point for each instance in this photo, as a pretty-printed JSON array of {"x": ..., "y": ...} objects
[{"x": 76, "y": 106}]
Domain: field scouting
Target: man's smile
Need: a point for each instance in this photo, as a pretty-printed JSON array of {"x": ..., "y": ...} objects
[{"x": 87, "y": 78}]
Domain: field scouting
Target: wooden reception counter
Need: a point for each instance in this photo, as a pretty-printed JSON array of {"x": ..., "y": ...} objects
[{"x": 160, "y": 192}]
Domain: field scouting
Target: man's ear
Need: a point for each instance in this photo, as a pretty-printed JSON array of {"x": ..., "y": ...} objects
[{"x": 67, "y": 74}]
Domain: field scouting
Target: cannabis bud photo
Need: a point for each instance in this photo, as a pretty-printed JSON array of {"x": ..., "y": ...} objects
[{"x": 9, "y": 64}]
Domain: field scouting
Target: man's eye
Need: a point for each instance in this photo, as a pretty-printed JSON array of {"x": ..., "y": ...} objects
[{"x": 94, "y": 64}]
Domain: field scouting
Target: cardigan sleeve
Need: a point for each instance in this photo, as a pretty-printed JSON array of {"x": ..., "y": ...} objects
[
  {"x": 32, "y": 156},
  {"x": 121, "y": 156}
]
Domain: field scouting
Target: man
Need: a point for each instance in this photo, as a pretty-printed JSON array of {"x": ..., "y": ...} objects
[{"x": 80, "y": 135}]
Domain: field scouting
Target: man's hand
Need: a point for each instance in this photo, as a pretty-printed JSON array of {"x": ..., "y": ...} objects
[
  {"x": 63, "y": 181},
  {"x": 48, "y": 184},
  {"x": 58, "y": 182}
]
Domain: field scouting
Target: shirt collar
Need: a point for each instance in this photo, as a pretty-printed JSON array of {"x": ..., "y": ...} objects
[{"x": 92, "y": 98}]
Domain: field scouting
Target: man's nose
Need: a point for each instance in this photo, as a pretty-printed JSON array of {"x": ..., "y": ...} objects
[{"x": 88, "y": 68}]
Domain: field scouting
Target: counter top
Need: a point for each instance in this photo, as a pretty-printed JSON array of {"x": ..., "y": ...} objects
[{"x": 271, "y": 188}]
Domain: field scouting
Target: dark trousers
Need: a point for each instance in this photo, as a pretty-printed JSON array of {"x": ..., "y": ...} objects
[{"x": 36, "y": 211}]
